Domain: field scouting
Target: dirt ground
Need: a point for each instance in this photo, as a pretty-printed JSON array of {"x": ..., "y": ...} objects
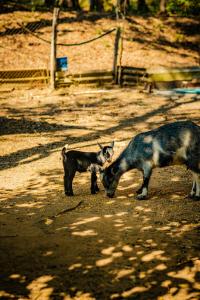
[
  {"x": 148, "y": 42},
  {"x": 119, "y": 248}
]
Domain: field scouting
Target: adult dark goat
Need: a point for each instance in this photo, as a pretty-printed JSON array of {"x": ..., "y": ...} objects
[
  {"x": 171, "y": 144},
  {"x": 74, "y": 161}
]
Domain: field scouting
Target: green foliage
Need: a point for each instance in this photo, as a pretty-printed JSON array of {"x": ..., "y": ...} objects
[{"x": 183, "y": 7}]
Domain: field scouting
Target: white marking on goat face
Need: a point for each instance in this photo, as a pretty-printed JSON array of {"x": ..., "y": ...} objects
[
  {"x": 101, "y": 157},
  {"x": 110, "y": 153}
]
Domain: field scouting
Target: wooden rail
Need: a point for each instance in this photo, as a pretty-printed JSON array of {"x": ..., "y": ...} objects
[
  {"x": 130, "y": 76},
  {"x": 24, "y": 77},
  {"x": 95, "y": 77},
  {"x": 167, "y": 78}
]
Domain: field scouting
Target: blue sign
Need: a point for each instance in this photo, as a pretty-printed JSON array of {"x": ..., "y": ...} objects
[{"x": 62, "y": 63}]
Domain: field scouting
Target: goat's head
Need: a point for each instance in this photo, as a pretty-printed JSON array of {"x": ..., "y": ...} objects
[
  {"x": 110, "y": 179},
  {"x": 106, "y": 153}
]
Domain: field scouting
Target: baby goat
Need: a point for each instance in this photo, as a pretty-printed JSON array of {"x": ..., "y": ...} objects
[
  {"x": 74, "y": 161},
  {"x": 171, "y": 144}
]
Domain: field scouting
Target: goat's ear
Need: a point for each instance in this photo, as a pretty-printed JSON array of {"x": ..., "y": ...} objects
[
  {"x": 101, "y": 147},
  {"x": 112, "y": 144}
]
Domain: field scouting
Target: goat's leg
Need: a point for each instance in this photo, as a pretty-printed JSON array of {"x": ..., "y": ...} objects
[
  {"x": 143, "y": 191},
  {"x": 94, "y": 186},
  {"x": 68, "y": 180},
  {"x": 195, "y": 191}
]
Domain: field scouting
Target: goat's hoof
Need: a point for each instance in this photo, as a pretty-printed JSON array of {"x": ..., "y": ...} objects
[
  {"x": 70, "y": 194},
  {"x": 93, "y": 192},
  {"x": 193, "y": 197},
  {"x": 139, "y": 191},
  {"x": 141, "y": 197}
]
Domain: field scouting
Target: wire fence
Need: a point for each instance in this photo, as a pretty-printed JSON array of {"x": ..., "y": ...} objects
[{"x": 25, "y": 44}]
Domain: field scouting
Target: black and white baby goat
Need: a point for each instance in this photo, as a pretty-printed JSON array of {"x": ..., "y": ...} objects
[
  {"x": 171, "y": 144},
  {"x": 74, "y": 161}
]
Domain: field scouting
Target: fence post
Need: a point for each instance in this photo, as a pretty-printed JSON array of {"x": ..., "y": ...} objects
[
  {"x": 116, "y": 50},
  {"x": 53, "y": 47}
]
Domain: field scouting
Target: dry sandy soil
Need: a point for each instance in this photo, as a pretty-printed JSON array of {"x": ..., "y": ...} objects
[
  {"x": 102, "y": 249},
  {"x": 119, "y": 248},
  {"x": 147, "y": 41}
]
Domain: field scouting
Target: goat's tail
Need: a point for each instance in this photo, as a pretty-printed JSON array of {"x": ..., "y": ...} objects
[{"x": 64, "y": 149}]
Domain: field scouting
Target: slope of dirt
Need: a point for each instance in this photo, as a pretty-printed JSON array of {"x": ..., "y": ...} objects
[
  {"x": 147, "y": 41},
  {"x": 118, "y": 248}
]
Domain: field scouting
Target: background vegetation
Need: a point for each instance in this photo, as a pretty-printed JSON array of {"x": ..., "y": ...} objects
[{"x": 166, "y": 7}]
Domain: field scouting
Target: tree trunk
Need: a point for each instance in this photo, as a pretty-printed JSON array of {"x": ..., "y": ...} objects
[
  {"x": 142, "y": 6},
  {"x": 76, "y": 5},
  {"x": 96, "y": 5},
  {"x": 49, "y": 3},
  {"x": 53, "y": 46},
  {"x": 162, "y": 7}
]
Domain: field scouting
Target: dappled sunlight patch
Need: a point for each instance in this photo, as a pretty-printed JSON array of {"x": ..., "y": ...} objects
[
  {"x": 177, "y": 229},
  {"x": 121, "y": 197},
  {"x": 120, "y": 214},
  {"x": 30, "y": 205},
  {"x": 117, "y": 254},
  {"x": 124, "y": 273},
  {"x": 125, "y": 228},
  {"x": 62, "y": 228},
  {"x": 161, "y": 267},
  {"x": 139, "y": 208},
  {"x": 104, "y": 262},
  {"x": 183, "y": 291},
  {"x": 39, "y": 288},
  {"x": 6, "y": 295},
  {"x": 84, "y": 221},
  {"x": 108, "y": 216},
  {"x": 166, "y": 283},
  {"x": 78, "y": 296},
  {"x": 75, "y": 266},
  {"x": 183, "y": 229},
  {"x": 108, "y": 251},
  {"x": 134, "y": 290},
  {"x": 131, "y": 195},
  {"x": 175, "y": 197},
  {"x": 145, "y": 228},
  {"x": 84, "y": 233},
  {"x": 48, "y": 253},
  {"x": 115, "y": 296},
  {"x": 127, "y": 248},
  {"x": 113, "y": 255},
  {"x": 156, "y": 254},
  {"x": 188, "y": 273},
  {"x": 109, "y": 202},
  {"x": 164, "y": 228},
  {"x": 145, "y": 219},
  {"x": 175, "y": 178},
  {"x": 151, "y": 243},
  {"x": 48, "y": 221},
  {"x": 132, "y": 258},
  {"x": 18, "y": 278}
]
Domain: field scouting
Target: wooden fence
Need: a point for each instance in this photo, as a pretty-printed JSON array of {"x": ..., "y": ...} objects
[
  {"x": 129, "y": 76},
  {"x": 41, "y": 77},
  {"x": 24, "y": 77}
]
